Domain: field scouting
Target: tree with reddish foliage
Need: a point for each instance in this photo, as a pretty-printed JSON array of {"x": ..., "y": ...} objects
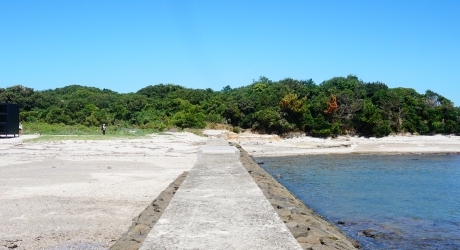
[{"x": 331, "y": 105}]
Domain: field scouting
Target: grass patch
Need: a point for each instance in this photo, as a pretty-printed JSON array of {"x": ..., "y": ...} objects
[
  {"x": 59, "y": 132},
  {"x": 61, "y": 129}
]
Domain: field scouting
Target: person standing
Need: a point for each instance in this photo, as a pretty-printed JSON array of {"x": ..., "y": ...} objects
[
  {"x": 103, "y": 128},
  {"x": 20, "y": 129}
]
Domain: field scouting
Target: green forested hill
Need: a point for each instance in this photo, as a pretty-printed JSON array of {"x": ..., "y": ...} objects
[{"x": 341, "y": 105}]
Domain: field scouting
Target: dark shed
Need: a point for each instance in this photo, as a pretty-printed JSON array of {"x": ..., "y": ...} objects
[{"x": 9, "y": 119}]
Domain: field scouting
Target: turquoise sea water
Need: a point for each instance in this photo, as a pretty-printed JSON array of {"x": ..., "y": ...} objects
[{"x": 402, "y": 201}]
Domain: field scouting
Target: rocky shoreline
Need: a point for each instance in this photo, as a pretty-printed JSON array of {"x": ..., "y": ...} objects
[{"x": 309, "y": 228}]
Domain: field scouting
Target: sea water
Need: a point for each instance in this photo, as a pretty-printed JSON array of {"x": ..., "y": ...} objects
[{"x": 382, "y": 201}]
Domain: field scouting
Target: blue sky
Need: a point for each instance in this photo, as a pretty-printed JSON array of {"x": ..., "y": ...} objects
[{"x": 127, "y": 45}]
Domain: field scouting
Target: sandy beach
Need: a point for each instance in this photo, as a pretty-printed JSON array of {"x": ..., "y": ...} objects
[
  {"x": 273, "y": 145},
  {"x": 74, "y": 194}
]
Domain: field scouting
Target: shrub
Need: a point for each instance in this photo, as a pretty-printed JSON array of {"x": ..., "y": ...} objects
[
  {"x": 382, "y": 129},
  {"x": 321, "y": 133}
]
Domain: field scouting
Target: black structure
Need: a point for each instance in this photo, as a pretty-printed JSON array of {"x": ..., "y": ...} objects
[{"x": 9, "y": 119}]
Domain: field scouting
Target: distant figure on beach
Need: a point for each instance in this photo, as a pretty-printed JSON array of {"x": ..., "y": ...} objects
[
  {"x": 103, "y": 128},
  {"x": 20, "y": 129}
]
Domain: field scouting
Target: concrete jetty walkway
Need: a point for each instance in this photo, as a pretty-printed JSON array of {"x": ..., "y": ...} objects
[{"x": 219, "y": 206}]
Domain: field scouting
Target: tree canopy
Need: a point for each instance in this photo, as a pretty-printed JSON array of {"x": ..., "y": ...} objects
[{"x": 340, "y": 105}]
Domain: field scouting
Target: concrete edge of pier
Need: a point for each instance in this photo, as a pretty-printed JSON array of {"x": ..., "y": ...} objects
[
  {"x": 219, "y": 206},
  {"x": 308, "y": 228}
]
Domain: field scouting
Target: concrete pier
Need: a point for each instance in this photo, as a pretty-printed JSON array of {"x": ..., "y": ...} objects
[{"x": 219, "y": 206}]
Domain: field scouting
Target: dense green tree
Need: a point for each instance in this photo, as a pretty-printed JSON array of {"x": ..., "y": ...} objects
[
  {"x": 368, "y": 122},
  {"x": 340, "y": 105},
  {"x": 270, "y": 121}
]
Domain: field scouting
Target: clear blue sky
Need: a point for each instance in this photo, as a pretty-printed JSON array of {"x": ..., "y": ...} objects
[{"x": 127, "y": 45}]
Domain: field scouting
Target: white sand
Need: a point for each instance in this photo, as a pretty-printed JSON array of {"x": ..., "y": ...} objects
[
  {"x": 272, "y": 145},
  {"x": 83, "y": 194}
]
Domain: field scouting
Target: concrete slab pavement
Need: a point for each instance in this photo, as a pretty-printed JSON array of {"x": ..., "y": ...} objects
[{"x": 219, "y": 206}]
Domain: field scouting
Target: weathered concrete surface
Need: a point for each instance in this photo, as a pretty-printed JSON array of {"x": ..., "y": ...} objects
[{"x": 219, "y": 206}]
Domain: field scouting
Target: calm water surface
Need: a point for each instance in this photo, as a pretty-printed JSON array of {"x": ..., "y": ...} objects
[{"x": 405, "y": 201}]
